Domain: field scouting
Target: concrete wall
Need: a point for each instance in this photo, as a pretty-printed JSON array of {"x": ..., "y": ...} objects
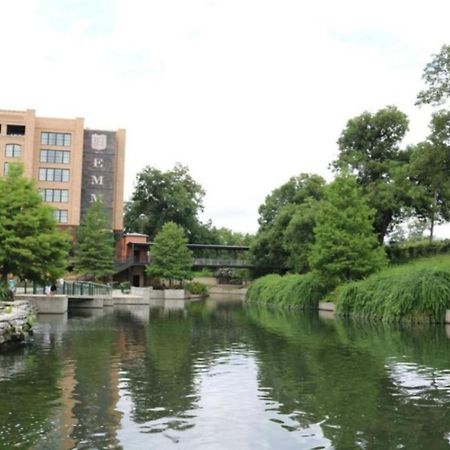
[
  {"x": 175, "y": 294},
  {"x": 47, "y": 304}
]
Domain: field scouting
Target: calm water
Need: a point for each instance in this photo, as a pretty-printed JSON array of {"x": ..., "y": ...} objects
[{"x": 215, "y": 375}]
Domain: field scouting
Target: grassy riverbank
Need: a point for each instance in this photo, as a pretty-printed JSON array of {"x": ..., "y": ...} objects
[
  {"x": 303, "y": 291},
  {"x": 417, "y": 291}
]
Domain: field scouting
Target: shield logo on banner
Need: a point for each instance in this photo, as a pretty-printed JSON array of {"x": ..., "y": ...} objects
[{"x": 98, "y": 142}]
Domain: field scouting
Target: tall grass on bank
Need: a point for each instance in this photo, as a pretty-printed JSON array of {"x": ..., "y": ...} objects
[
  {"x": 414, "y": 292},
  {"x": 297, "y": 291}
]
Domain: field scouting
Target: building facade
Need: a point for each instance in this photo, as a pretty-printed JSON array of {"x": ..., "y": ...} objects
[{"x": 71, "y": 165}]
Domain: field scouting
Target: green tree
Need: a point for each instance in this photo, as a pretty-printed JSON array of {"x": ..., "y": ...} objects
[
  {"x": 94, "y": 253},
  {"x": 369, "y": 148},
  {"x": 345, "y": 246},
  {"x": 31, "y": 245},
  {"x": 170, "y": 258},
  {"x": 160, "y": 197},
  {"x": 286, "y": 221},
  {"x": 437, "y": 78},
  {"x": 299, "y": 235},
  {"x": 430, "y": 173}
]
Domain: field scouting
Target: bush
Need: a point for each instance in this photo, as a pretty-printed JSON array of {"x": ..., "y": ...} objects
[
  {"x": 125, "y": 287},
  {"x": 409, "y": 251},
  {"x": 6, "y": 294},
  {"x": 197, "y": 288},
  {"x": 415, "y": 293},
  {"x": 303, "y": 291}
]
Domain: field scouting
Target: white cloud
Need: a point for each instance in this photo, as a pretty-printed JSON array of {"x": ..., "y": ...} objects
[{"x": 246, "y": 93}]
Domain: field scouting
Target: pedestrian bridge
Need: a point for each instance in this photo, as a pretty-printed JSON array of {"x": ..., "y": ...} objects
[{"x": 212, "y": 256}]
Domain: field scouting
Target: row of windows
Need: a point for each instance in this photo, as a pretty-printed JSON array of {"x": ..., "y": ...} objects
[
  {"x": 55, "y": 156},
  {"x": 60, "y": 139},
  {"x": 13, "y": 150},
  {"x": 55, "y": 195},
  {"x": 59, "y": 175},
  {"x": 61, "y": 215}
]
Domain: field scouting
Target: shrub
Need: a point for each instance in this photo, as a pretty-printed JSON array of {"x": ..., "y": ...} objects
[
  {"x": 6, "y": 294},
  {"x": 293, "y": 290},
  {"x": 197, "y": 288},
  {"x": 125, "y": 287},
  {"x": 409, "y": 251},
  {"x": 409, "y": 293}
]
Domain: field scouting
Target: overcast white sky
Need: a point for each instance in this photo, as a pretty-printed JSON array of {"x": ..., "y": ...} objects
[{"x": 247, "y": 93}]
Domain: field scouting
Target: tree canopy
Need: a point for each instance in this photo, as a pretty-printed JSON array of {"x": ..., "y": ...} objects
[
  {"x": 286, "y": 222},
  {"x": 94, "y": 253},
  {"x": 345, "y": 246},
  {"x": 170, "y": 258},
  {"x": 160, "y": 197},
  {"x": 31, "y": 245},
  {"x": 369, "y": 148},
  {"x": 437, "y": 78},
  {"x": 430, "y": 172}
]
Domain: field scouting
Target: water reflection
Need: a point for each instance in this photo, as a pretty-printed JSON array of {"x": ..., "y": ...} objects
[{"x": 214, "y": 375}]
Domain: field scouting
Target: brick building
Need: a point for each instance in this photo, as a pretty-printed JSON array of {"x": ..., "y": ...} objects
[{"x": 72, "y": 165}]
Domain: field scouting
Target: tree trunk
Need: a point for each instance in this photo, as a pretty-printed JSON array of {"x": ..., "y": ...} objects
[{"x": 433, "y": 216}]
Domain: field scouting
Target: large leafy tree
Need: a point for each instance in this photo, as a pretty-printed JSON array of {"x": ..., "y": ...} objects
[
  {"x": 369, "y": 148},
  {"x": 170, "y": 258},
  {"x": 430, "y": 172},
  {"x": 31, "y": 245},
  {"x": 437, "y": 78},
  {"x": 160, "y": 197},
  {"x": 94, "y": 253},
  {"x": 345, "y": 246},
  {"x": 286, "y": 221}
]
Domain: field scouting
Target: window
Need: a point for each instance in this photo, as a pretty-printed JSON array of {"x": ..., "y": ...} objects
[
  {"x": 13, "y": 150},
  {"x": 5, "y": 168},
  {"x": 59, "y": 139},
  {"x": 15, "y": 130},
  {"x": 61, "y": 215},
  {"x": 55, "y": 156},
  {"x": 55, "y": 195},
  {"x": 59, "y": 175}
]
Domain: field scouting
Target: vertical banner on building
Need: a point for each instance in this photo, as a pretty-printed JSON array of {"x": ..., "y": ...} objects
[{"x": 99, "y": 154}]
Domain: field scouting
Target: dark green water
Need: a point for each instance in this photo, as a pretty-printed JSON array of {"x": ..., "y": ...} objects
[{"x": 215, "y": 375}]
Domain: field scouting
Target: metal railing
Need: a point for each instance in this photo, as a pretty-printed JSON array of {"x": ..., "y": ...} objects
[{"x": 70, "y": 288}]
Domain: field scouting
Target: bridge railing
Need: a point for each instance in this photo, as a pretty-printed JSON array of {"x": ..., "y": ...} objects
[
  {"x": 85, "y": 288},
  {"x": 213, "y": 262},
  {"x": 71, "y": 289}
]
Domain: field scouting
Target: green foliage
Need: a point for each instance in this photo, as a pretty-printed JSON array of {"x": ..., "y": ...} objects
[
  {"x": 6, "y": 294},
  {"x": 286, "y": 221},
  {"x": 31, "y": 245},
  {"x": 170, "y": 258},
  {"x": 197, "y": 288},
  {"x": 204, "y": 273},
  {"x": 415, "y": 292},
  {"x": 161, "y": 197},
  {"x": 436, "y": 77},
  {"x": 430, "y": 172},
  {"x": 408, "y": 251},
  {"x": 345, "y": 246},
  {"x": 125, "y": 287},
  {"x": 301, "y": 291},
  {"x": 94, "y": 253},
  {"x": 369, "y": 149}
]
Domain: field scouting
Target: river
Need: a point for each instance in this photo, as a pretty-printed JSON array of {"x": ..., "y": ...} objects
[{"x": 216, "y": 374}]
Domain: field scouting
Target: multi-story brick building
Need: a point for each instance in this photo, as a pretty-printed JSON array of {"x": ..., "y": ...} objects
[{"x": 72, "y": 165}]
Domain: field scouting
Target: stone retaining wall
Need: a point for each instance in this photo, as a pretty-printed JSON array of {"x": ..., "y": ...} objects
[{"x": 15, "y": 325}]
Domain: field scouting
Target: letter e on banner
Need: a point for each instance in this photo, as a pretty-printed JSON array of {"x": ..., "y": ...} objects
[{"x": 98, "y": 163}]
